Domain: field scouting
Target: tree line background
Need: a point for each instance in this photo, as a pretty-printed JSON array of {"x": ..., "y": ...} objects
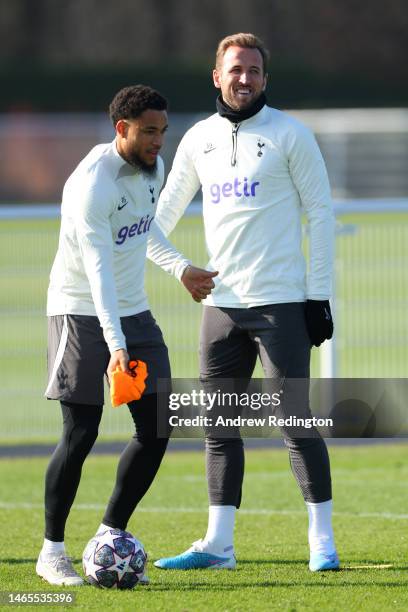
[{"x": 73, "y": 55}]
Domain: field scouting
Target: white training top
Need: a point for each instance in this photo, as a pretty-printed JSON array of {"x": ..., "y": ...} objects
[
  {"x": 257, "y": 177},
  {"x": 107, "y": 221}
]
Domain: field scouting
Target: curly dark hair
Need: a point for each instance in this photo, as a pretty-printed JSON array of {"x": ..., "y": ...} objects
[{"x": 130, "y": 102}]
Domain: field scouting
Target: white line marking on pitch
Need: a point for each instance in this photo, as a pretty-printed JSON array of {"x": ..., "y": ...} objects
[
  {"x": 189, "y": 510},
  {"x": 368, "y": 566}
]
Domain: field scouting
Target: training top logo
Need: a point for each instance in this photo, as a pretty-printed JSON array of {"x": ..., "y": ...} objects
[
  {"x": 123, "y": 203},
  {"x": 238, "y": 189},
  {"x": 260, "y": 147},
  {"x": 209, "y": 147},
  {"x": 136, "y": 229}
]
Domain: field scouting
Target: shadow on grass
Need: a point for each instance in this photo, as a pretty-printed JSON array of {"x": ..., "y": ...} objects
[
  {"x": 320, "y": 580},
  {"x": 351, "y": 566},
  {"x": 30, "y": 561},
  {"x": 211, "y": 586},
  {"x": 355, "y": 565},
  {"x": 271, "y": 561}
]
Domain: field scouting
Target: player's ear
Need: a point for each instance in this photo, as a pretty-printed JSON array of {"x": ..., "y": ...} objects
[
  {"x": 216, "y": 78},
  {"x": 122, "y": 128},
  {"x": 265, "y": 82}
]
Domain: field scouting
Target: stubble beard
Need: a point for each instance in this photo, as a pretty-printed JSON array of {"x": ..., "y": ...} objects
[
  {"x": 134, "y": 160},
  {"x": 245, "y": 103}
]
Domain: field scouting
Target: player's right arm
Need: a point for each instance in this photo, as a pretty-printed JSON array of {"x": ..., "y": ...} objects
[
  {"x": 118, "y": 358},
  {"x": 94, "y": 234},
  {"x": 181, "y": 186}
]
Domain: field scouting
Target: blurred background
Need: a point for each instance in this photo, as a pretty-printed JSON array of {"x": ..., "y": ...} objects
[{"x": 340, "y": 67}]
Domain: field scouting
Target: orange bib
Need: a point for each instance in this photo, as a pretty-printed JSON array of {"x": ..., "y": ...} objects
[{"x": 126, "y": 387}]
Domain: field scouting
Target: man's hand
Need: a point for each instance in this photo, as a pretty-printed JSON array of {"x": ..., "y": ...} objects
[
  {"x": 198, "y": 282},
  {"x": 319, "y": 321},
  {"x": 118, "y": 358}
]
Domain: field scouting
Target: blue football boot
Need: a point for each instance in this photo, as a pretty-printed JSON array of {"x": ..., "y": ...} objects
[
  {"x": 320, "y": 562},
  {"x": 197, "y": 558}
]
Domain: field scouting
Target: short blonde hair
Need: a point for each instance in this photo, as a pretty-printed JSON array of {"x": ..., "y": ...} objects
[{"x": 249, "y": 41}]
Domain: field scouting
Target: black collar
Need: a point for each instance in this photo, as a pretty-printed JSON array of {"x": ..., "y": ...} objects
[{"x": 236, "y": 116}]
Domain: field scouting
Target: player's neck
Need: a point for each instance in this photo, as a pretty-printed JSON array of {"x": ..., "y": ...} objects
[{"x": 236, "y": 116}]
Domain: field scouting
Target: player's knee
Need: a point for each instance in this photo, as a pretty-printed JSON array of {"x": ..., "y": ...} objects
[
  {"x": 82, "y": 440},
  {"x": 222, "y": 444},
  {"x": 151, "y": 441},
  {"x": 304, "y": 443}
]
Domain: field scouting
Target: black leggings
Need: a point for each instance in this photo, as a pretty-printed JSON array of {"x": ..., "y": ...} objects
[
  {"x": 231, "y": 341},
  {"x": 137, "y": 467},
  {"x": 309, "y": 460}
]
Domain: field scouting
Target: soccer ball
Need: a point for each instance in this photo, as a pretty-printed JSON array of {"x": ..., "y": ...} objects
[{"x": 114, "y": 559}]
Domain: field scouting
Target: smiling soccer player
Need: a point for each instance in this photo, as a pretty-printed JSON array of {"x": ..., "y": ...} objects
[{"x": 259, "y": 169}]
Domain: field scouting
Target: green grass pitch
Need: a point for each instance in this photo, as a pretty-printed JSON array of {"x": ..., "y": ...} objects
[
  {"x": 370, "y": 522},
  {"x": 371, "y": 321}
]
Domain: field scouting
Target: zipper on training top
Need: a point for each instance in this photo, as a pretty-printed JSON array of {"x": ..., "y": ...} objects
[{"x": 234, "y": 144}]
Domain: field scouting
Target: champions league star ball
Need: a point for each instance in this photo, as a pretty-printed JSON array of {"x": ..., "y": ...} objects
[{"x": 114, "y": 559}]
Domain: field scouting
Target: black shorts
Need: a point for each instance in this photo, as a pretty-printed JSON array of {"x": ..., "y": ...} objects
[
  {"x": 232, "y": 339},
  {"x": 78, "y": 355}
]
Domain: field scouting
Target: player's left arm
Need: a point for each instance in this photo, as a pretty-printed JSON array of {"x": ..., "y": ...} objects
[{"x": 309, "y": 174}]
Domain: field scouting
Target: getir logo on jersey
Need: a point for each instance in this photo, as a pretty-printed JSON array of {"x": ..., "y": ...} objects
[
  {"x": 136, "y": 229},
  {"x": 237, "y": 188}
]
